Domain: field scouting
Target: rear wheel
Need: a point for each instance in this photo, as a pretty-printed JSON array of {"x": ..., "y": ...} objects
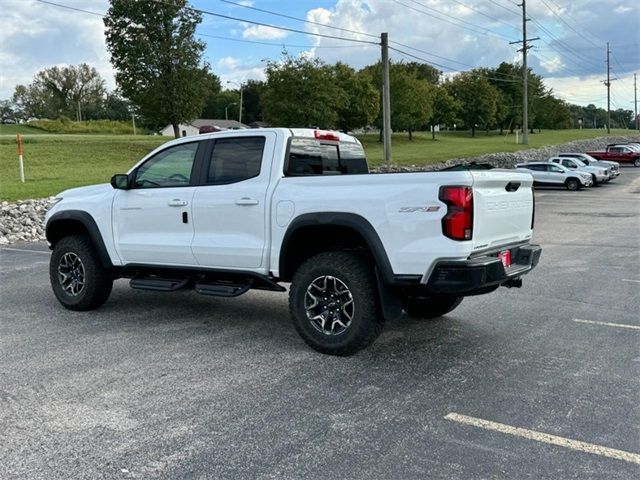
[
  {"x": 430, "y": 307},
  {"x": 78, "y": 279},
  {"x": 572, "y": 184},
  {"x": 334, "y": 304},
  {"x": 636, "y": 162}
]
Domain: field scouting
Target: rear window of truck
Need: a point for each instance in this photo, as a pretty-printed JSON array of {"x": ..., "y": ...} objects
[{"x": 308, "y": 156}]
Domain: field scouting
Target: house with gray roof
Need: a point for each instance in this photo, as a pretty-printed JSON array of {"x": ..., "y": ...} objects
[{"x": 193, "y": 127}]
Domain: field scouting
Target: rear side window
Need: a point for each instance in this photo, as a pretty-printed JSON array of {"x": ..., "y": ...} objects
[
  {"x": 308, "y": 156},
  {"x": 537, "y": 168},
  {"x": 235, "y": 159}
]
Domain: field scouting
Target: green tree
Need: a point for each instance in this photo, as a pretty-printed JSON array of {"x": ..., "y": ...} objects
[
  {"x": 445, "y": 109},
  {"x": 301, "y": 92},
  {"x": 411, "y": 100},
  {"x": 252, "y": 92},
  {"x": 223, "y": 105},
  {"x": 116, "y": 108},
  {"x": 7, "y": 111},
  {"x": 157, "y": 59},
  {"x": 552, "y": 113},
  {"x": 362, "y": 100},
  {"x": 411, "y": 92},
  {"x": 477, "y": 97},
  {"x": 61, "y": 91}
]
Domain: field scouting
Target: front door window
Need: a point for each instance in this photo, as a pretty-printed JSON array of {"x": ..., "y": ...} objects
[{"x": 169, "y": 168}]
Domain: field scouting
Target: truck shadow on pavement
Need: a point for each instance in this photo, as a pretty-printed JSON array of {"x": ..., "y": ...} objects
[{"x": 261, "y": 320}]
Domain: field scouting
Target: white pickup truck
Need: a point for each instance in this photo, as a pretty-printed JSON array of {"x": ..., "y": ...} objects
[{"x": 230, "y": 211}]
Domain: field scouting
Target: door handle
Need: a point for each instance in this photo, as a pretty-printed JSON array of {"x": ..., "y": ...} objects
[
  {"x": 247, "y": 201},
  {"x": 176, "y": 202}
]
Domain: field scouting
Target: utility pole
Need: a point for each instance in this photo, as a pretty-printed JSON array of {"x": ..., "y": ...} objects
[
  {"x": 635, "y": 103},
  {"x": 525, "y": 73},
  {"x": 239, "y": 84},
  {"x": 386, "y": 99},
  {"x": 133, "y": 123},
  {"x": 240, "y": 114},
  {"x": 608, "y": 84}
]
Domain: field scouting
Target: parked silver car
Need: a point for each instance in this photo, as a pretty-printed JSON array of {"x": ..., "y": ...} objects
[
  {"x": 592, "y": 162},
  {"x": 552, "y": 175}
]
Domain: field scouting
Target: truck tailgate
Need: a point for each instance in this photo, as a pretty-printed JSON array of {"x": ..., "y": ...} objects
[{"x": 503, "y": 207}]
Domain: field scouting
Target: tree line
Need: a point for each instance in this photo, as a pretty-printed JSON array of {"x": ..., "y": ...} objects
[{"x": 162, "y": 78}]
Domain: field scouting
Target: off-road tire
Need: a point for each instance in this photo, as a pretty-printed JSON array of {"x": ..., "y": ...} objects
[
  {"x": 430, "y": 307},
  {"x": 97, "y": 280},
  {"x": 572, "y": 184},
  {"x": 357, "y": 273}
]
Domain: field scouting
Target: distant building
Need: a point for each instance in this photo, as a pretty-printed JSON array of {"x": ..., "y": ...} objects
[{"x": 193, "y": 127}]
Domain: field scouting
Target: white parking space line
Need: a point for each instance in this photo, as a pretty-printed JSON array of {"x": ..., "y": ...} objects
[
  {"x": 24, "y": 250},
  {"x": 546, "y": 438},
  {"x": 630, "y": 280},
  {"x": 607, "y": 324}
]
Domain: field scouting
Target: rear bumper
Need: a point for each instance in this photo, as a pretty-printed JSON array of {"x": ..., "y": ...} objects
[{"x": 481, "y": 274}]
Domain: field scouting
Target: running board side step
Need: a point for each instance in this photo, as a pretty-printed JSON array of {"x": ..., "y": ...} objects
[
  {"x": 158, "y": 284},
  {"x": 222, "y": 289}
]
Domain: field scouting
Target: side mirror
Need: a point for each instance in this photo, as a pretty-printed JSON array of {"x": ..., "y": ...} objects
[{"x": 120, "y": 181}]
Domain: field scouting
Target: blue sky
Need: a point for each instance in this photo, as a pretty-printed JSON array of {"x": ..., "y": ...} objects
[{"x": 453, "y": 35}]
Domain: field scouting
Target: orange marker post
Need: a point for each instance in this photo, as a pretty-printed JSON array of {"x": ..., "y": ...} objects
[{"x": 19, "y": 140}]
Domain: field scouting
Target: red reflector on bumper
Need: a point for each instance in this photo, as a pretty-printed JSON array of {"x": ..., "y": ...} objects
[{"x": 506, "y": 258}]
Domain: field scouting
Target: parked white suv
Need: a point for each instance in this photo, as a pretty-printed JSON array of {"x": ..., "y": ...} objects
[
  {"x": 226, "y": 212},
  {"x": 598, "y": 174},
  {"x": 546, "y": 174},
  {"x": 613, "y": 167}
]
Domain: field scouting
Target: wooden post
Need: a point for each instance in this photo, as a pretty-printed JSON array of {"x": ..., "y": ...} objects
[{"x": 19, "y": 141}]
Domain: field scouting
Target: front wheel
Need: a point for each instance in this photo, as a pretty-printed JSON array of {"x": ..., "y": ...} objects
[
  {"x": 430, "y": 307},
  {"x": 78, "y": 278},
  {"x": 334, "y": 303},
  {"x": 572, "y": 184}
]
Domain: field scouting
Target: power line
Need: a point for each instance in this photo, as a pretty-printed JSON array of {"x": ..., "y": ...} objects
[
  {"x": 277, "y": 27},
  {"x": 71, "y": 8},
  {"x": 567, "y": 23},
  {"x": 250, "y": 7},
  {"x": 487, "y": 31},
  {"x": 505, "y": 8},
  {"x": 274, "y": 44},
  {"x": 495, "y": 19},
  {"x": 416, "y": 57}
]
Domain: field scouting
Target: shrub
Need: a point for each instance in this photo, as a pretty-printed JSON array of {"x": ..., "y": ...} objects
[{"x": 64, "y": 125}]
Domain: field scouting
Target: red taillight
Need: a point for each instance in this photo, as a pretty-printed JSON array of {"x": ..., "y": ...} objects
[
  {"x": 324, "y": 135},
  {"x": 457, "y": 224}
]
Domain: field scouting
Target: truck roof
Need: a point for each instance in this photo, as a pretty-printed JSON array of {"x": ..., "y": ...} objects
[{"x": 314, "y": 133}]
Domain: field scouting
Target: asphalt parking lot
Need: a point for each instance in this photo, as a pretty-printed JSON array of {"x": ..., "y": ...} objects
[{"x": 537, "y": 382}]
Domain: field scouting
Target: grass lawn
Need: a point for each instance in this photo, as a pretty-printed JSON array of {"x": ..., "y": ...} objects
[
  {"x": 22, "y": 129},
  {"x": 423, "y": 150},
  {"x": 56, "y": 162},
  {"x": 53, "y": 163}
]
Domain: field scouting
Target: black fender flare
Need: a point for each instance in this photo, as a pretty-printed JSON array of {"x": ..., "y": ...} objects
[
  {"x": 390, "y": 298},
  {"x": 86, "y": 220}
]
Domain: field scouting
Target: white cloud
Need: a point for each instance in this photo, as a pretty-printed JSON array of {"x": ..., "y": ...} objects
[
  {"x": 229, "y": 63},
  {"x": 260, "y": 32},
  {"x": 552, "y": 64},
  {"x": 246, "y": 3},
  {"x": 34, "y": 36}
]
